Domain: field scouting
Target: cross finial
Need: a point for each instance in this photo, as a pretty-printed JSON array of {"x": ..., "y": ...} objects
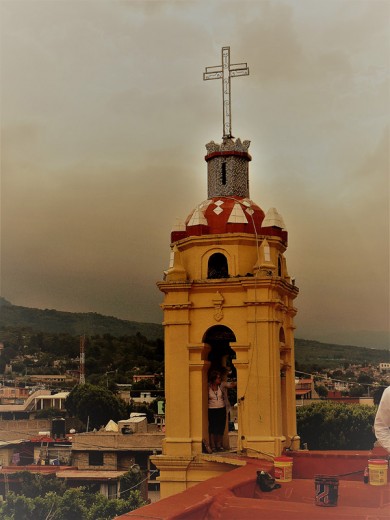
[{"x": 226, "y": 71}]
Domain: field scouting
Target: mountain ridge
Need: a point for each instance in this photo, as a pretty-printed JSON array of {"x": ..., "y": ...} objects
[
  {"x": 92, "y": 323},
  {"x": 74, "y": 323}
]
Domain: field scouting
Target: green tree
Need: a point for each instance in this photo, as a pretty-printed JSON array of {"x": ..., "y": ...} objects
[
  {"x": 321, "y": 390},
  {"x": 130, "y": 481},
  {"x": 103, "y": 508},
  {"x": 33, "y": 485},
  {"x": 144, "y": 384},
  {"x": 96, "y": 404},
  {"x": 71, "y": 505},
  {"x": 49, "y": 413},
  {"x": 364, "y": 379},
  {"x": 16, "y": 507},
  {"x": 19, "y": 367},
  {"x": 356, "y": 391},
  {"x": 20, "y": 507},
  {"x": 336, "y": 426}
]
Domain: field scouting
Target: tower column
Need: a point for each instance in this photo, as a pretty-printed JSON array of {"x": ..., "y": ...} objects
[
  {"x": 241, "y": 364},
  {"x": 198, "y": 369},
  {"x": 260, "y": 402},
  {"x": 177, "y": 389}
]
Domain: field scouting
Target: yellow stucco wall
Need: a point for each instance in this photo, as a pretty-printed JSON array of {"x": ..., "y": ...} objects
[{"x": 256, "y": 303}]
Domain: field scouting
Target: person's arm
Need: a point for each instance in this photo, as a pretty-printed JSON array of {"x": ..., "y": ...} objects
[
  {"x": 229, "y": 384},
  {"x": 382, "y": 421}
]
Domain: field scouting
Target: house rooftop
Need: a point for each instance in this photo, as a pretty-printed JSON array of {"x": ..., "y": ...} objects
[
  {"x": 35, "y": 468},
  {"x": 112, "y": 441},
  {"x": 84, "y": 474}
]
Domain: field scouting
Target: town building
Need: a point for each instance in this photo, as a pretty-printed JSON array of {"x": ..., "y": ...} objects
[
  {"x": 13, "y": 394},
  {"x": 27, "y": 404},
  {"x": 103, "y": 457},
  {"x": 97, "y": 459},
  {"x": 153, "y": 378},
  {"x": 304, "y": 389}
]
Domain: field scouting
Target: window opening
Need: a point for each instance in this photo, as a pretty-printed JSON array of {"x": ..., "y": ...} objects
[
  {"x": 217, "y": 266},
  {"x": 224, "y": 174},
  {"x": 112, "y": 490},
  {"x": 96, "y": 458}
]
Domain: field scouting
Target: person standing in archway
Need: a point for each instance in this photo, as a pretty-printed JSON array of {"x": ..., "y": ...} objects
[{"x": 217, "y": 406}]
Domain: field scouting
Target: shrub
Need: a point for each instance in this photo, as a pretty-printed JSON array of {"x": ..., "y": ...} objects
[{"x": 336, "y": 426}]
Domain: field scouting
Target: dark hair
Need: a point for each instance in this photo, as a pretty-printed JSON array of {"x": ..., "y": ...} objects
[{"x": 213, "y": 375}]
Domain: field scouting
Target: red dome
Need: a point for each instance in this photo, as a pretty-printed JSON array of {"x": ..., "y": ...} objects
[{"x": 221, "y": 215}]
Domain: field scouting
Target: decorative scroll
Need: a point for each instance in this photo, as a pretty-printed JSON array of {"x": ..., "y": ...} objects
[{"x": 218, "y": 302}]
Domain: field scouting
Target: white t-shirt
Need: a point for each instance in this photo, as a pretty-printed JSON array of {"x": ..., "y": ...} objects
[
  {"x": 382, "y": 420},
  {"x": 217, "y": 397}
]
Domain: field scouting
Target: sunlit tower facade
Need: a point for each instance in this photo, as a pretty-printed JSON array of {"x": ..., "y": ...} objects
[{"x": 228, "y": 299}]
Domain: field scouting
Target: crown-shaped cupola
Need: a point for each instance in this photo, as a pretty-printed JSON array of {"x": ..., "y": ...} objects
[{"x": 227, "y": 168}]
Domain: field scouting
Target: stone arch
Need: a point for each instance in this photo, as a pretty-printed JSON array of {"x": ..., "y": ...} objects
[
  {"x": 209, "y": 253},
  {"x": 217, "y": 266},
  {"x": 219, "y": 337},
  {"x": 221, "y": 357}
]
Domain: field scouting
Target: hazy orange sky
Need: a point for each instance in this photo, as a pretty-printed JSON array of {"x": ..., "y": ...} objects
[{"x": 104, "y": 118}]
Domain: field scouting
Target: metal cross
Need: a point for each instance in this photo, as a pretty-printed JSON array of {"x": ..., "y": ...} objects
[{"x": 226, "y": 71}]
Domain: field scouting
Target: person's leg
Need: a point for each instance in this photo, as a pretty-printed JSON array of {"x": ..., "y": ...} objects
[
  {"x": 211, "y": 414},
  {"x": 218, "y": 441},
  {"x": 220, "y": 429}
]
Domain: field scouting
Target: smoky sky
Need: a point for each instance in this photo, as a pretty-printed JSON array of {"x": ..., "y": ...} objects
[{"x": 104, "y": 118}]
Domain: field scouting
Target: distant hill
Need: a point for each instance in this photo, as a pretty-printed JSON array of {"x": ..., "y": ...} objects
[
  {"x": 307, "y": 352},
  {"x": 74, "y": 323},
  {"x": 328, "y": 355}
]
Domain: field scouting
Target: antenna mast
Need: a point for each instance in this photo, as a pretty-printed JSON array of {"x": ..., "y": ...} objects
[{"x": 82, "y": 360}]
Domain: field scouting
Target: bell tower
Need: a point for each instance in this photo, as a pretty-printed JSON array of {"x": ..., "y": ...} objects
[{"x": 228, "y": 300}]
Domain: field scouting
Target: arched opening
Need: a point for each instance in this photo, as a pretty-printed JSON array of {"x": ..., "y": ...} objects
[
  {"x": 217, "y": 266},
  {"x": 221, "y": 354},
  {"x": 221, "y": 358}
]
